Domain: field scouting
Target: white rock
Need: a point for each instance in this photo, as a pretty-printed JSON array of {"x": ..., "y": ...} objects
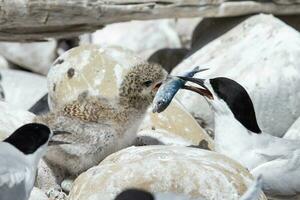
[
  {"x": 164, "y": 169},
  {"x": 22, "y": 89},
  {"x": 37, "y": 194},
  {"x": 12, "y": 118},
  {"x": 174, "y": 126},
  {"x": 34, "y": 56},
  {"x": 142, "y": 37},
  {"x": 293, "y": 132},
  {"x": 262, "y": 54},
  {"x": 4, "y": 64}
]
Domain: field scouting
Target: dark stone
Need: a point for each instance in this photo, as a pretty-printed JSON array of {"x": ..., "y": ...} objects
[
  {"x": 41, "y": 106},
  {"x": 291, "y": 20},
  {"x": 147, "y": 140},
  {"x": 134, "y": 194},
  {"x": 203, "y": 144},
  {"x": 67, "y": 43},
  {"x": 211, "y": 28},
  {"x": 168, "y": 58}
]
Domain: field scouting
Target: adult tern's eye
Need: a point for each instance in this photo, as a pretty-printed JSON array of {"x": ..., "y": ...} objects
[{"x": 147, "y": 83}]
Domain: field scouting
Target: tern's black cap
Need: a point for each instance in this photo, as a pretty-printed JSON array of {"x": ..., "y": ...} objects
[
  {"x": 134, "y": 194},
  {"x": 29, "y": 137},
  {"x": 238, "y": 101}
]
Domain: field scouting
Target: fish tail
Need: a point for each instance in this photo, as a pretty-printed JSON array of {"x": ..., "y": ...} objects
[{"x": 197, "y": 70}]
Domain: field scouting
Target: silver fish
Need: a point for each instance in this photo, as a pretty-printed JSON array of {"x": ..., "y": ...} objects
[{"x": 169, "y": 88}]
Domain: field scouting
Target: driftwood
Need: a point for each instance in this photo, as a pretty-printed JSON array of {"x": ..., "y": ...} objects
[{"x": 40, "y": 19}]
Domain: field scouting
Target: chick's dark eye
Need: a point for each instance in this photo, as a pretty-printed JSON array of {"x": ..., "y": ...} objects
[{"x": 147, "y": 83}]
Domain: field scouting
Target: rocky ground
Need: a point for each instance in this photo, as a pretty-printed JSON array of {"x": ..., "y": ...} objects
[{"x": 261, "y": 52}]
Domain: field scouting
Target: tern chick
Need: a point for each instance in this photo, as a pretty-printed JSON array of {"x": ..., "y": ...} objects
[
  {"x": 99, "y": 126},
  {"x": 19, "y": 155},
  {"x": 238, "y": 136}
]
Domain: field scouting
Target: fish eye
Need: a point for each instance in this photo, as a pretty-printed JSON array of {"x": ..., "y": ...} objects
[{"x": 148, "y": 83}]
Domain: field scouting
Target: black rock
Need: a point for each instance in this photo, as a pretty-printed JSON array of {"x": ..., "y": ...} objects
[
  {"x": 168, "y": 58},
  {"x": 41, "y": 106}
]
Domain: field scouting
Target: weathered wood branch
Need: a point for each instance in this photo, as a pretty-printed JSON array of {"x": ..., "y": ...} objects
[{"x": 40, "y": 19}]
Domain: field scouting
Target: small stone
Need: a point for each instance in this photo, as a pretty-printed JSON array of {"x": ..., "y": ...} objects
[{"x": 37, "y": 194}]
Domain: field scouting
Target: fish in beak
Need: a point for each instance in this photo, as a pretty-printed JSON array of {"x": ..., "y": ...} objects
[
  {"x": 168, "y": 89},
  {"x": 57, "y": 142},
  {"x": 203, "y": 91}
]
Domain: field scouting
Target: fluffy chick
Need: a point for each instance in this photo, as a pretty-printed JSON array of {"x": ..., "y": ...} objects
[{"x": 100, "y": 127}]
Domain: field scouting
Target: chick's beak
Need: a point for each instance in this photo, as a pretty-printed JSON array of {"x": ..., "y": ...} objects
[
  {"x": 53, "y": 142},
  {"x": 204, "y": 91},
  {"x": 156, "y": 86}
]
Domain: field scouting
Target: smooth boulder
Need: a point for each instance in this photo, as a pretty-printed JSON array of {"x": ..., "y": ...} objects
[
  {"x": 141, "y": 37},
  {"x": 33, "y": 56},
  {"x": 174, "y": 126},
  {"x": 164, "y": 169},
  {"x": 22, "y": 89},
  {"x": 261, "y": 54}
]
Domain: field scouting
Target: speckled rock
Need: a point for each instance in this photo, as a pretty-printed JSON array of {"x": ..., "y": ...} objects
[
  {"x": 45, "y": 179},
  {"x": 261, "y": 54},
  {"x": 37, "y": 194},
  {"x": 142, "y": 37},
  {"x": 174, "y": 126},
  {"x": 182, "y": 170},
  {"x": 12, "y": 118},
  {"x": 34, "y": 56},
  {"x": 88, "y": 68},
  {"x": 22, "y": 89}
]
